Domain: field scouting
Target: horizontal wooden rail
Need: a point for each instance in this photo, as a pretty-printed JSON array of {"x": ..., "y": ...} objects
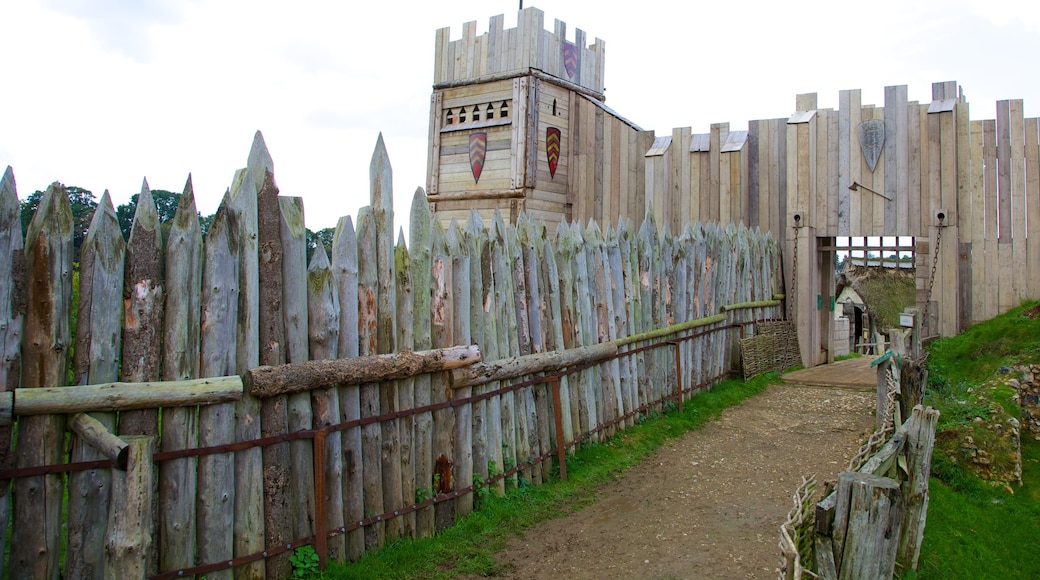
[
  {"x": 669, "y": 330},
  {"x": 756, "y": 304},
  {"x": 316, "y": 374},
  {"x": 120, "y": 396},
  {"x": 475, "y": 195},
  {"x": 511, "y": 368}
]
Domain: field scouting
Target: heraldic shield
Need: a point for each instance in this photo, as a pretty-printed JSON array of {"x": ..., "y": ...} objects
[
  {"x": 552, "y": 149},
  {"x": 477, "y": 150}
]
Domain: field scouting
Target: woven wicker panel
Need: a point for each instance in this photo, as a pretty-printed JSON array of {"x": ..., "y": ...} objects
[{"x": 774, "y": 347}]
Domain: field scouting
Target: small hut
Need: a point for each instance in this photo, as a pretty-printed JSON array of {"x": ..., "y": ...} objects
[{"x": 870, "y": 298}]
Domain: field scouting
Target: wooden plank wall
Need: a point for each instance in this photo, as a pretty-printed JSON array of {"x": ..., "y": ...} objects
[
  {"x": 980, "y": 174},
  {"x": 512, "y": 289},
  {"x": 529, "y": 45}
]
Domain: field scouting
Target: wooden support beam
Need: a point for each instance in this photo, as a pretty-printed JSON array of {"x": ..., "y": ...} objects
[
  {"x": 530, "y": 364},
  {"x": 93, "y": 433},
  {"x": 320, "y": 374},
  {"x": 123, "y": 396},
  {"x": 130, "y": 520}
]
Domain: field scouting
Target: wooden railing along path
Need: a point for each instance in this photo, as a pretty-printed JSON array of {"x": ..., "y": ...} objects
[{"x": 352, "y": 461}]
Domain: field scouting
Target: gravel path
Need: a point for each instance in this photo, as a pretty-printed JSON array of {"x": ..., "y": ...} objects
[{"x": 708, "y": 505}]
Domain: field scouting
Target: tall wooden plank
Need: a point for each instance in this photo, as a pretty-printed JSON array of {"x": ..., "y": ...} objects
[
  {"x": 524, "y": 399},
  {"x": 476, "y": 240},
  {"x": 846, "y": 129},
  {"x": 420, "y": 248},
  {"x": 249, "y": 506},
  {"x": 822, "y": 192},
  {"x": 323, "y": 327},
  {"x": 12, "y": 317},
  {"x": 442, "y": 321},
  {"x": 371, "y": 434},
  {"x": 143, "y": 311},
  {"x": 530, "y": 237},
  {"x": 585, "y": 332},
  {"x": 404, "y": 320},
  {"x": 753, "y": 174},
  {"x": 719, "y": 133},
  {"x": 503, "y": 305},
  {"x": 978, "y": 224},
  {"x": 878, "y": 184},
  {"x": 345, "y": 273},
  {"x": 1005, "y": 219},
  {"x": 382, "y": 200},
  {"x": 1032, "y": 208},
  {"x": 1018, "y": 201},
  {"x": 568, "y": 327},
  {"x": 274, "y": 420},
  {"x": 913, "y": 171},
  {"x": 35, "y": 541},
  {"x": 95, "y": 360},
  {"x": 463, "y": 433},
  {"x": 899, "y": 166},
  {"x": 989, "y": 153},
  {"x": 218, "y": 355},
  {"x": 963, "y": 156},
  {"x": 143, "y": 304},
  {"x": 950, "y": 305},
  {"x": 181, "y": 348},
  {"x": 297, "y": 350}
]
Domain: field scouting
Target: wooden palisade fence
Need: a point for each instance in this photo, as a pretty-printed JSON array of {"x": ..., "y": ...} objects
[
  {"x": 874, "y": 521},
  {"x": 240, "y": 396}
]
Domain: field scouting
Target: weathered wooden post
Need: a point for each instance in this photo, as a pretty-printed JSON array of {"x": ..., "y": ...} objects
[
  {"x": 12, "y": 315},
  {"x": 249, "y": 503},
  {"x": 219, "y": 303},
  {"x": 95, "y": 360},
  {"x": 323, "y": 311},
  {"x": 295, "y": 277},
  {"x": 371, "y": 434},
  {"x": 130, "y": 520},
  {"x": 867, "y": 526},
  {"x": 38, "y": 499},
  {"x": 919, "y": 445},
  {"x": 181, "y": 339},
  {"x": 420, "y": 247}
]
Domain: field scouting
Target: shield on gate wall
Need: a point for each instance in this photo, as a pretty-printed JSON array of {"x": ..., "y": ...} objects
[
  {"x": 570, "y": 58},
  {"x": 872, "y": 141},
  {"x": 552, "y": 149},
  {"x": 477, "y": 149}
]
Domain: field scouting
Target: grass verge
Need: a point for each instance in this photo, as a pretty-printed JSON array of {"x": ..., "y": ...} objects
[
  {"x": 975, "y": 529},
  {"x": 469, "y": 547}
]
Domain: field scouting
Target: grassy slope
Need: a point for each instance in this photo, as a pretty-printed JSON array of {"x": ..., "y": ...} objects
[
  {"x": 975, "y": 530},
  {"x": 469, "y": 547}
]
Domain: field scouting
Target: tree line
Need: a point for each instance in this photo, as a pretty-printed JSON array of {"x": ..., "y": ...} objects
[{"x": 84, "y": 203}]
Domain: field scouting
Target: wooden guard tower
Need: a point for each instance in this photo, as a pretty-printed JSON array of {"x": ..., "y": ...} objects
[{"x": 517, "y": 123}]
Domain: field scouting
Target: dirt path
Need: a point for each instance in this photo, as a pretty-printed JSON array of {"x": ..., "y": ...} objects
[{"x": 708, "y": 505}]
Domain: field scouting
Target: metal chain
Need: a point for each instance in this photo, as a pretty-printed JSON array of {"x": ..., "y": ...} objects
[
  {"x": 931, "y": 281},
  {"x": 794, "y": 280}
]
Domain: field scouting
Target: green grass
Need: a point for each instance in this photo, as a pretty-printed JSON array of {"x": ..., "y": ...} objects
[
  {"x": 849, "y": 356},
  {"x": 975, "y": 529},
  {"x": 469, "y": 547}
]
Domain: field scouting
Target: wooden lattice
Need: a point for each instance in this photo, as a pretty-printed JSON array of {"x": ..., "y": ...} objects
[{"x": 774, "y": 347}]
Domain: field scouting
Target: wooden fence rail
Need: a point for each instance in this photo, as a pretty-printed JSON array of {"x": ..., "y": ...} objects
[
  {"x": 353, "y": 460},
  {"x": 874, "y": 521}
]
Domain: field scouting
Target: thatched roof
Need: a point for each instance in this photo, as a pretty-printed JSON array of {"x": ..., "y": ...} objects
[{"x": 886, "y": 292}]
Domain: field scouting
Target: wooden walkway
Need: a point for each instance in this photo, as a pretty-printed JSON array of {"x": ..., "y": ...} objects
[{"x": 854, "y": 373}]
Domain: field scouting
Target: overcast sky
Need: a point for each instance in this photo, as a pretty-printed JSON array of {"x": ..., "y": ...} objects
[{"x": 103, "y": 93}]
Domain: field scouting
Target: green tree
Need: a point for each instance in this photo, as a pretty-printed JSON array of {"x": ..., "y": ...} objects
[
  {"x": 323, "y": 237},
  {"x": 165, "y": 205},
  {"x": 83, "y": 205}
]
